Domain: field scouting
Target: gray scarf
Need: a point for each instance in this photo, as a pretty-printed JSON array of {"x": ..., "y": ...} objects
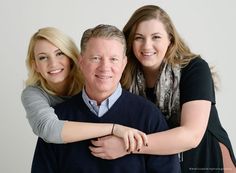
[{"x": 166, "y": 91}]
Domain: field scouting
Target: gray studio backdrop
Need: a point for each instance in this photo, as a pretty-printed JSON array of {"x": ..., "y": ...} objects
[{"x": 208, "y": 27}]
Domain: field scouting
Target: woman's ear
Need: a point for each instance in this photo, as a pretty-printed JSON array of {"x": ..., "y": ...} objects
[
  {"x": 34, "y": 66},
  {"x": 170, "y": 40}
]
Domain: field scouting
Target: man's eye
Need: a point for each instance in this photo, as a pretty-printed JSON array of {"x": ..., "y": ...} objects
[
  {"x": 95, "y": 59},
  {"x": 114, "y": 60}
]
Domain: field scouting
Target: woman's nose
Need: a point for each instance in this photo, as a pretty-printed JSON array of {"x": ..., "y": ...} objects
[{"x": 52, "y": 61}]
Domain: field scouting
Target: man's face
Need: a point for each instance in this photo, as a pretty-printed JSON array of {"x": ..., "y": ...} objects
[{"x": 102, "y": 64}]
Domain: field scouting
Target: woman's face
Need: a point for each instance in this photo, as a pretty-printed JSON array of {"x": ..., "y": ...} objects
[
  {"x": 150, "y": 43},
  {"x": 51, "y": 63}
]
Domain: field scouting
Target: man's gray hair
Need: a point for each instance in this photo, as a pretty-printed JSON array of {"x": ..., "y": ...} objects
[{"x": 102, "y": 31}]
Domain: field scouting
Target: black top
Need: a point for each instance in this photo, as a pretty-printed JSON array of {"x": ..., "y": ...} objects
[
  {"x": 197, "y": 84},
  {"x": 130, "y": 110},
  {"x": 150, "y": 93}
]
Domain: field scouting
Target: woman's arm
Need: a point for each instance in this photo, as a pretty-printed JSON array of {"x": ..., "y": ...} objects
[
  {"x": 194, "y": 119},
  {"x": 40, "y": 114},
  {"x": 133, "y": 139},
  {"x": 197, "y": 95},
  {"x": 46, "y": 124}
]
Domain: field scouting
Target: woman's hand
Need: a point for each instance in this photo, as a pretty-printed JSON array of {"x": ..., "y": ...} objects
[
  {"x": 124, "y": 140},
  {"x": 108, "y": 147},
  {"x": 133, "y": 138}
]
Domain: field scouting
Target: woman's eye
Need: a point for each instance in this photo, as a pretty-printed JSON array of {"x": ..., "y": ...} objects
[
  {"x": 138, "y": 38},
  {"x": 156, "y": 37},
  {"x": 59, "y": 53},
  {"x": 41, "y": 58}
]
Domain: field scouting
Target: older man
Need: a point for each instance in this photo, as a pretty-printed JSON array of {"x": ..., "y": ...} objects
[{"x": 102, "y": 62}]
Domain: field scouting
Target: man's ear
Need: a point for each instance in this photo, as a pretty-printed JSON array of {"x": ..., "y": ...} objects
[
  {"x": 79, "y": 59},
  {"x": 125, "y": 62}
]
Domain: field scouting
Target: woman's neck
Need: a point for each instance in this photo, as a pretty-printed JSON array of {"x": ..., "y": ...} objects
[
  {"x": 151, "y": 76},
  {"x": 61, "y": 89}
]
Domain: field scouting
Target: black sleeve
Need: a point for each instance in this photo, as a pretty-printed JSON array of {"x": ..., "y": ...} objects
[
  {"x": 44, "y": 158},
  {"x": 196, "y": 82}
]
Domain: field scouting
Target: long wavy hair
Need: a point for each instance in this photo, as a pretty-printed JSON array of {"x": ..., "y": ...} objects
[
  {"x": 67, "y": 46},
  {"x": 177, "y": 53}
]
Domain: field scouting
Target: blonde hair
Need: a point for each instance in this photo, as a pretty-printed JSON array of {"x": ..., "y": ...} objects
[
  {"x": 67, "y": 46},
  {"x": 177, "y": 53}
]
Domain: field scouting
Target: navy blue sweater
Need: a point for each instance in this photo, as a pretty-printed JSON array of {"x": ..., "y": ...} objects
[{"x": 130, "y": 110}]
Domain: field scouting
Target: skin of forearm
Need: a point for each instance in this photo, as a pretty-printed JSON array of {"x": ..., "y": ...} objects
[
  {"x": 78, "y": 131},
  {"x": 170, "y": 142}
]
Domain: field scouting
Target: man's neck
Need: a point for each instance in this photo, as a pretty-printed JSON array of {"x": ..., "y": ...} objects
[
  {"x": 97, "y": 96},
  {"x": 99, "y": 107}
]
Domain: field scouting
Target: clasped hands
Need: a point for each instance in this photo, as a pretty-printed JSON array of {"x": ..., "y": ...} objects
[{"x": 125, "y": 140}]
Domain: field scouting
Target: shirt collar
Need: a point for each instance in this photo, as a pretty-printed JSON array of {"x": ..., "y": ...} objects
[{"x": 107, "y": 103}]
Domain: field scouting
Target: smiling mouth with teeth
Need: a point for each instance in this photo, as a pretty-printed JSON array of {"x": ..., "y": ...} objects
[
  {"x": 55, "y": 71},
  {"x": 103, "y": 77},
  {"x": 149, "y": 54}
]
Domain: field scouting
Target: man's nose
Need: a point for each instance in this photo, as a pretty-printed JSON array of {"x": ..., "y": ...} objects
[{"x": 104, "y": 64}]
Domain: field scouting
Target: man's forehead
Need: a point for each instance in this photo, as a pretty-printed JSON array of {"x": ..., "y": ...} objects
[{"x": 101, "y": 45}]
